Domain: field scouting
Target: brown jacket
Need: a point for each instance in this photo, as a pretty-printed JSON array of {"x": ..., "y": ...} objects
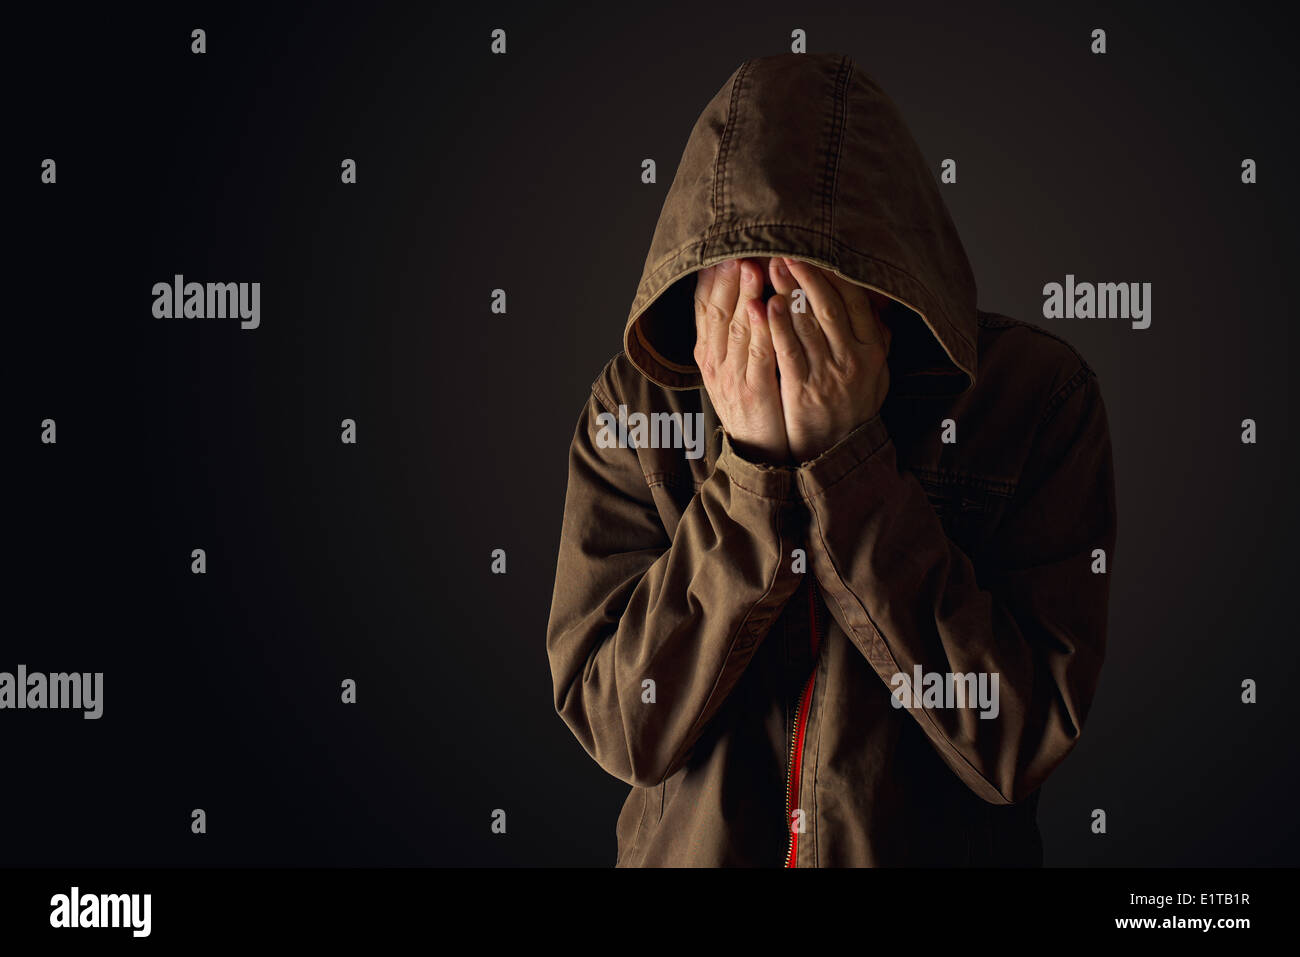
[{"x": 749, "y": 698}]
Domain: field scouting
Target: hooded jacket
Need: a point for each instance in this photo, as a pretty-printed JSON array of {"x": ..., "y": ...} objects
[{"x": 878, "y": 656}]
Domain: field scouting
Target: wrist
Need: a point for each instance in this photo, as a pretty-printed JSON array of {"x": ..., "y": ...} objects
[
  {"x": 759, "y": 454},
  {"x": 812, "y": 445},
  {"x": 862, "y": 444}
]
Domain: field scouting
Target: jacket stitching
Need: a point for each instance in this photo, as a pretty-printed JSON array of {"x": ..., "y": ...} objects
[
  {"x": 602, "y": 396},
  {"x": 656, "y": 479},
  {"x": 943, "y": 477},
  {"x": 643, "y": 343},
  {"x": 720, "y": 162},
  {"x": 991, "y": 320},
  {"x": 755, "y": 492},
  {"x": 1067, "y": 389},
  {"x": 839, "y": 116},
  {"x": 640, "y": 822},
  {"x": 836, "y": 244},
  {"x": 672, "y": 258}
]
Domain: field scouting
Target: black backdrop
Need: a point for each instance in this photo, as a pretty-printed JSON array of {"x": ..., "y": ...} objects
[{"x": 371, "y": 561}]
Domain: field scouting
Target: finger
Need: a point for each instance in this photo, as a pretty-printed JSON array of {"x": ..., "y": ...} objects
[
  {"x": 790, "y": 357},
  {"x": 808, "y": 331},
  {"x": 751, "y": 281},
  {"x": 761, "y": 371},
  {"x": 827, "y": 306},
  {"x": 720, "y": 306},
  {"x": 863, "y": 322},
  {"x": 782, "y": 281},
  {"x": 751, "y": 289}
]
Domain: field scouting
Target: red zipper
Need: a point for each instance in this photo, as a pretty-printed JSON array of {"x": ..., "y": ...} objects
[{"x": 795, "y": 764}]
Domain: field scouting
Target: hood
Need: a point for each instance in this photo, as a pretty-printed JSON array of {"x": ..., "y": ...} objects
[{"x": 803, "y": 155}]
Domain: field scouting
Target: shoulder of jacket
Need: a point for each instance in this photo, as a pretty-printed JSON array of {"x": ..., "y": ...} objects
[
  {"x": 621, "y": 383},
  {"x": 1063, "y": 368}
]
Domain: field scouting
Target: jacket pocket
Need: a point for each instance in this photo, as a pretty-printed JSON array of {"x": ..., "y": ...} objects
[{"x": 968, "y": 507}]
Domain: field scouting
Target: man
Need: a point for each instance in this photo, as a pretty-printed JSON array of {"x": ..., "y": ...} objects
[{"x": 865, "y": 625}]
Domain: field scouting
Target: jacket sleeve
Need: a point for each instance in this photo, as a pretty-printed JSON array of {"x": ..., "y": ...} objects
[
  {"x": 633, "y": 605},
  {"x": 1034, "y": 613}
]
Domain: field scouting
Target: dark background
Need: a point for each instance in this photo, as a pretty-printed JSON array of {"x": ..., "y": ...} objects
[{"x": 522, "y": 172}]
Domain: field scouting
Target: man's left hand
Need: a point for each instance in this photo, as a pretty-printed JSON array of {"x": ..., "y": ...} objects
[{"x": 831, "y": 357}]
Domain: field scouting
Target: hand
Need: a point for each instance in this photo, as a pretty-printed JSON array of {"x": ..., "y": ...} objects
[
  {"x": 733, "y": 350},
  {"x": 832, "y": 356}
]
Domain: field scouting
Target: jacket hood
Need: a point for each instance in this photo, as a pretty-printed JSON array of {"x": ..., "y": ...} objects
[{"x": 803, "y": 155}]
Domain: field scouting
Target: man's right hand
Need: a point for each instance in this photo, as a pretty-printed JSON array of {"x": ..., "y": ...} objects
[{"x": 733, "y": 350}]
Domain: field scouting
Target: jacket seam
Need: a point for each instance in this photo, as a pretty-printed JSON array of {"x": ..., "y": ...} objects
[
  {"x": 1003, "y": 488},
  {"x": 657, "y": 479},
  {"x": 602, "y": 397},
  {"x": 725, "y": 457},
  {"x": 990, "y": 320},
  {"x": 720, "y": 161},
  {"x": 835, "y": 242},
  {"x": 839, "y": 116},
  {"x": 640, "y": 823},
  {"x": 676, "y": 254},
  {"x": 1067, "y": 389}
]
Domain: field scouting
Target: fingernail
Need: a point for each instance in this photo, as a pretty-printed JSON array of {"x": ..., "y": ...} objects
[
  {"x": 781, "y": 269},
  {"x": 778, "y": 305},
  {"x": 730, "y": 265}
]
